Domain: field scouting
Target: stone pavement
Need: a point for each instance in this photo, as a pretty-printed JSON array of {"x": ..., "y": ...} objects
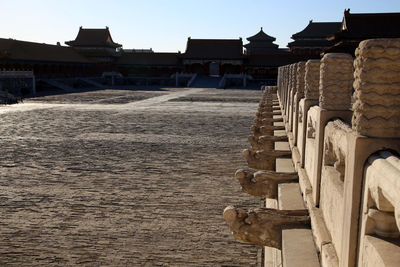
[{"x": 124, "y": 178}]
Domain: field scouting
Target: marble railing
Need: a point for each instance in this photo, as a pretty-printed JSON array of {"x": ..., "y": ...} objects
[{"x": 342, "y": 121}]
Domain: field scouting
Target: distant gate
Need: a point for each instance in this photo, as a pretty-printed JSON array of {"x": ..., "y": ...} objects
[{"x": 214, "y": 69}]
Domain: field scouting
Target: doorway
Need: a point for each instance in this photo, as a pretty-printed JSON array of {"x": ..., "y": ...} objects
[{"x": 214, "y": 69}]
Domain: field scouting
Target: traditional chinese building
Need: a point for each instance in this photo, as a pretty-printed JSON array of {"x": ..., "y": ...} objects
[
  {"x": 148, "y": 64},
  {"x": 95, "y": 44},
  {"x": 94, "y": 52},
  {"x": 44, "y": 60},
  {"x": 263, "y": 57},
  {"x": 312, "y": 40},
  {"x": 213, "y": 56},
  {"x": 358, "y": 27},
  {"x": 260, "y": 43}
]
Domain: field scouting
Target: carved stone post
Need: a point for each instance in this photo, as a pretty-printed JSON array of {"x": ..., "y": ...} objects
[
  {"x": 279, "y": 81},
  {"x": 287, "y": 84},
  {"x": 377, "y": 89},
  {"x": 376, "y": 125},
  {"x": 311, "y": 98},
  {"x": 287, "y": 89},
  {"x": 301, "y": 69},
  {"x": 291, "y": 97},
  {"x": 283, "y": 86},
  {"x": 292, "y": 84},
  {"x": 280, "y": 77},
  {"x": 312, "y": 79},
  {"x": 336, "y": 81},
  {"x": 285, "y": 93},
  {"x": 335, "y": 86}
]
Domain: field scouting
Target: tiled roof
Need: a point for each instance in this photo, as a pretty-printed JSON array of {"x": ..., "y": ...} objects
[
  {"x": 310, "y": 43},
  {"x": 214, "y": 49},
  {"x": 318, "y": 30},
  {"x": 29, "y": 51},
  {"x": 261, "y": 36},
  {"x": 373, "y": 25},
  {"x": 261, "y": 45},
  {"x": 348, "y": 46},
  {"x": 97, "y": 52},
  {"x": 157, "y": 59},
  {"x": 93, "y": 37}
]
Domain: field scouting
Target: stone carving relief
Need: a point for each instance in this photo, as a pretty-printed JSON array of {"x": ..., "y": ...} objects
[
  {"x": 310, "y": 129},
  {"x": 336, "y": 81},
  {"x": 300, "y": 114},
  {"x": 265, "y": 142},
  {"x": 294, "y": 77},
  {"x": 335, "y": 157},
  {"x": 380, "y": 218},
  {"x": 263, "y": 183},
  {"x": 377, "y": 88},
  {"x": 383, "y": 193},
  {"x": 264, "y": 159},
  {"x": 260, "y": 121},
  {"x": 265, "y": 130},
  {"x": 312, "y": 79},
  {"x": 301, "y": 71}
]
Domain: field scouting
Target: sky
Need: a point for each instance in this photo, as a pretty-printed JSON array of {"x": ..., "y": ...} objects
[{"x": 165, "y": 25}]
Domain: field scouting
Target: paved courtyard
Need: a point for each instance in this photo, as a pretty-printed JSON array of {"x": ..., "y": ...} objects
[{"x": 124, "y": 178}]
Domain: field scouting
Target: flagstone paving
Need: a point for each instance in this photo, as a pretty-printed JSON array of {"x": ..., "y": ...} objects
[{"x": 124, "y": 178}]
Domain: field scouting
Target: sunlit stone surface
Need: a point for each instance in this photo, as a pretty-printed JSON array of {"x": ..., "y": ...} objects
[{"x": 124, "y": 178}]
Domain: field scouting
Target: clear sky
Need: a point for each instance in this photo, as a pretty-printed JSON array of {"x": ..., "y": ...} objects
[{"x": 165, "y": 25}]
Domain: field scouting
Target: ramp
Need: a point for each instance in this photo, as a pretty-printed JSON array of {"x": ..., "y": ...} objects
[{"x": 58, "y": 85}]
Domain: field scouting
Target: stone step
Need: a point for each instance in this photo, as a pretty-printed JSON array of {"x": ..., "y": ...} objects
[
  {"x": 59, "y": 85},
  {"x": 289, "y": 197},
  {"x": 93, "y": 83},
  {"x": 298, "y": 248}
]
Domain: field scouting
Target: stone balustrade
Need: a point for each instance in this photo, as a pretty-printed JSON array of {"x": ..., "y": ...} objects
[
  {"x": 331, "y": 189},
  {"x": 311, "y": 91},
  {"x": 16, "y": 74},
  {"x": 345, "y": 161},
  {"x": 301, "y": 71},
  {"x": 335, "y": 88},
  {"x": 14, "y": 81}
]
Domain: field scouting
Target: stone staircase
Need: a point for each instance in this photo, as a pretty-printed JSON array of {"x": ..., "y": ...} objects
[
  {"x": 58, "y": 85},
  {"x": 202, "y": 81},
  {"x": 93, "y": 83}
]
